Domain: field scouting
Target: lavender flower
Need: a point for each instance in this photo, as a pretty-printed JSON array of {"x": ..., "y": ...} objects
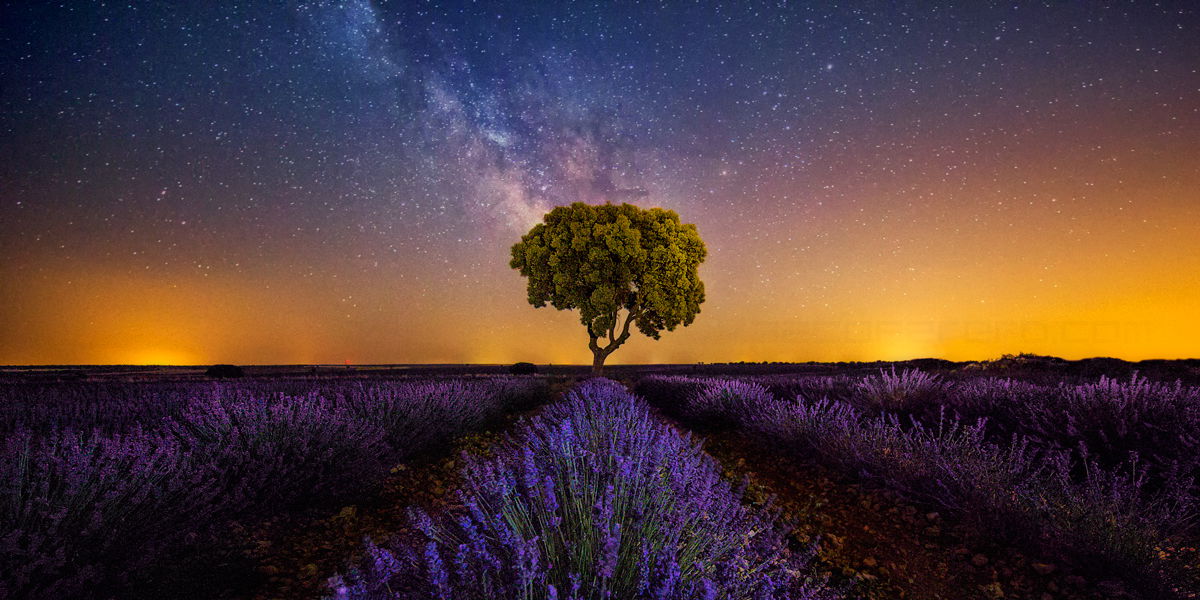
[
  {"x": 595, "y": 495},
  {"x": 101, "y": 481},
  {"x": 608, "y": 552},
  {"x": 1100, "y": 472}
]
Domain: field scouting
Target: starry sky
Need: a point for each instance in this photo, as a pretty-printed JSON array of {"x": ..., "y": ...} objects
[{"x": 320, "y": 182}]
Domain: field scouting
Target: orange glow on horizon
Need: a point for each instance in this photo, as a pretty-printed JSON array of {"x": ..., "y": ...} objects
[
  {"x": 1102, "y": 262},
  {"x": 1003, "y": 299}
]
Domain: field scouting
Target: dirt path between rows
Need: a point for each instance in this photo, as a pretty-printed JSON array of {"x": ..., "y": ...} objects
[
  {"x": 892, "y": 548},
  {"x": 293, "y": 555}
]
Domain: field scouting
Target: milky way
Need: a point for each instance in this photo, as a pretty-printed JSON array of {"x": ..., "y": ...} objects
[{"x": 319, "y": 182}]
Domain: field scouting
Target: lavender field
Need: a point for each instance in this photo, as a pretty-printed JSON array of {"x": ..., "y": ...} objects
[
  {"x": 104, "y": 482},
  {"x": 512, "y": 300},
  {"x": 742, "y": 485},
  {"x": 1098, "y": 476}
]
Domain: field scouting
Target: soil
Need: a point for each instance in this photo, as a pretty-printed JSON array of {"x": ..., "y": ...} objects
[
  {"x": 296, "y": 559},
  {"x": 890, "y": 548},
  {"x": 293, "y": 555}
]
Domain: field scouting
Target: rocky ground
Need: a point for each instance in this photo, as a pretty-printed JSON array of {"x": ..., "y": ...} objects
[{"x": 890, "y": 548}]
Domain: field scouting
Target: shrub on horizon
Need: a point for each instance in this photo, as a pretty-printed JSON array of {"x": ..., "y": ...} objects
[
  {"x": 225, "y": 371},
  {"x": 523, "y": 368}
]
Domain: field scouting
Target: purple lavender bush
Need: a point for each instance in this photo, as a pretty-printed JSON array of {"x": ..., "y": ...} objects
[
  {"x": 118, "y": 406},
  {"x": 1021, "y": 489},
  {"x": 720, "y": 403},
  {"x": 1016, "y": 490},
  {"x": 950, "y": 465},
  {"x": 593, "y": 499},
  {"x": 1114, "y": 520},
  {"x": 109, "y": 407},
  {"x": 1109, "y": 421},
  {"x": 82, "y": 513},
  {"x": 1148, "y": 431},
  {"x": 809, "y": 387},
  {"x": 1002, "y": 402},
  {"x": 267, "y": 455},
  {"x": 671, "y": 392},
  {"x": 417, "y": 415},
  {"x": 910, "y": 391}
]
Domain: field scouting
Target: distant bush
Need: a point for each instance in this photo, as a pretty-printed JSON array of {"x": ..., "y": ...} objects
[
  {"x": 1107, "y": 367},
  {"x": 594, "y": 499},
  {"x": 721, "y": 403},
  {"x": 225, "y": 371},
  {"x": 910, "y": 391},
  {"x": 523, "y": 368},
  {"x": 931, "y": 364}
]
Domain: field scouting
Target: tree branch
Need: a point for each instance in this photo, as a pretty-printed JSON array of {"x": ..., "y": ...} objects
[
  {"x": 633, "y": 314},
  {"x": 615, "y": 342},
  {"x": 592, "y": 338}
]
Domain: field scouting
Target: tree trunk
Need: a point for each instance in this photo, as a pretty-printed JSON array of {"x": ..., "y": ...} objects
[{"x": 598, "y": 357}]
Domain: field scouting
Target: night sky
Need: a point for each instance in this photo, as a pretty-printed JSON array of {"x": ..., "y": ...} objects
[{"x": 298, "y": 182}]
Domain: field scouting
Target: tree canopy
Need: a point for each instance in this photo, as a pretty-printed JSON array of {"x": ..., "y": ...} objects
[{"x": 618, "y": 265}]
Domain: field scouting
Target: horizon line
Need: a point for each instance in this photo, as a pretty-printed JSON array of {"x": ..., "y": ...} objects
[{"x": 697, "y": 363}]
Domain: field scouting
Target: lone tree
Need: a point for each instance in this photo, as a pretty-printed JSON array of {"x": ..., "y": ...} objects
[{"x": 618, "y": 266}]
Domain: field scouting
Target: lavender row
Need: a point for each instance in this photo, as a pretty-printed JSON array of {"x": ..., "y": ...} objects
[
  {"x": 119, "y": 406},
  {"x": 1107, "y": 422},
  {"x": 594, "y": 498},
  {"x": 1018, "y": 488},
  {"x": 84, "y": 513}
]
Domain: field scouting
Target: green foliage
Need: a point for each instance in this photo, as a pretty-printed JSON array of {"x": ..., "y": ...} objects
[
  {"x": 225, "y": 371},
  {"x": 523, "y": 368},
  {"x": 607, "y": 261}
]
